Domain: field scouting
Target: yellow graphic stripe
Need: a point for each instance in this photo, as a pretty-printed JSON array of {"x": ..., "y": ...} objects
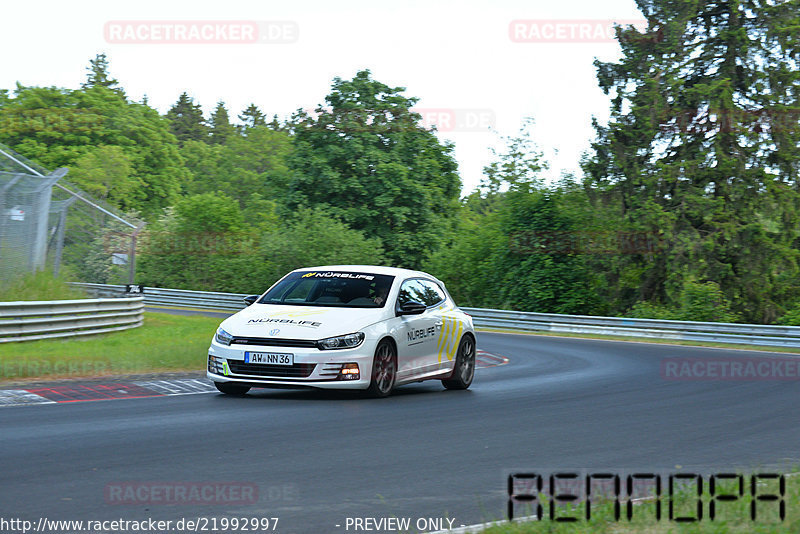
[
  {"x": 440, "y": 341},
  {"x": 448, "y": 338},
  {"x": 451, "y": 353},
  {"x": 443, "y": 337}
]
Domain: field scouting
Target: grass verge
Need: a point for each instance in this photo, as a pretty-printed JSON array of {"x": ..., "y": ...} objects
[
  {"x": 163, "y": 343},
  {"x": 41, "y": 285},
  {"x": 731, "y": 516}
]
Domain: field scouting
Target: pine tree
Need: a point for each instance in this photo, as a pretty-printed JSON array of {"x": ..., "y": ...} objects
[
  {"x": 186, "y": 120},
  {"x": 98, "y": 76},
  {"x": 703, "y": 150},
  {"x": 220, "y": 125},
  {"x": 252, "y": 117},
  {"x": 276, "y": 125}
]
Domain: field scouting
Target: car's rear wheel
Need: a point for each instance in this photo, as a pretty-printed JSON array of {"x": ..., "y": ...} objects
[
  {"x": 384, "y": 370},
  {"x": 231, "y": 389},
  {"x": 464, "y": 368}
]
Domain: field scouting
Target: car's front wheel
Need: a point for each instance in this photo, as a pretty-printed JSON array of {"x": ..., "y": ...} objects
[
  {"x": 231, "y": 389},
  {"x": 464, "y": 369},
  {"x": 384, "y": 370}
]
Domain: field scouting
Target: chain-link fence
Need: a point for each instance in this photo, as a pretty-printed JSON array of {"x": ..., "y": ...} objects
[
  {"x": 46, "y": 222},
  {"x": 25, "y": 203}
]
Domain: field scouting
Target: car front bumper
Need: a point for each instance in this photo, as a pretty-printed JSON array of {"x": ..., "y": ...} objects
[{"x": 312, "y": 367}]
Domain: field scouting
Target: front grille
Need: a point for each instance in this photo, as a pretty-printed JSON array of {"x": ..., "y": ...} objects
[
  {"x": 298, "y": 370},
  {"x": 274, "y": 342}
]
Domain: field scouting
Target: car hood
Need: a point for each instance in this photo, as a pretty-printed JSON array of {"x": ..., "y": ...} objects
[{"x": 299, "y": 322}]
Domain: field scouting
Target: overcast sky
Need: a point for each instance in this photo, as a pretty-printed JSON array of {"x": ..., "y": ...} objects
[{"x": 478, "y": 68}]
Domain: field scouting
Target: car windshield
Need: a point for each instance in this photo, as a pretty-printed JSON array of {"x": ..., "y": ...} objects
[{"x": 331, "y": 289}]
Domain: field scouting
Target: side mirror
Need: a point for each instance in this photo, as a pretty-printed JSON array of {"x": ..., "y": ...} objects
[
  {"x": 250, "y": 299},
  {"x": 411, "y": 307}
]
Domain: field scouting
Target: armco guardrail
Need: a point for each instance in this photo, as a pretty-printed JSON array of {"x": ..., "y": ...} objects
[
  {"x": 158, "y": 296},
  {"x": 749, "y": 334},
  {"x": 30, "y": 320}
]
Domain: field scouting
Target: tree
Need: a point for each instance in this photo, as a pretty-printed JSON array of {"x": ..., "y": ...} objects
[
  {"x": 313, "y": 237},
  {"x": 98, "y": 75},
  {"x": 219, "y": 125},
  {"x": 206, "y": 243},
  {"x": 368, "y": 161},
  {"x": 106, "y": 172},
  {"x": 703, "y": 149},
  {"x": 186, "y": 120},
  {"x": 242, "y": 167},
  {"x": 518, "y": 168},
  {"x": 533, "y": 246},
  {"x": 276, "y": 125},
  {"x": 56, "y": 127},
  {"x": 201, "y": 243},
  {"x": 252, "y": 117}
]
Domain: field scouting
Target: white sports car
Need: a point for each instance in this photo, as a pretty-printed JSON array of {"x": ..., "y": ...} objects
[{"x": 345, "y": 327}]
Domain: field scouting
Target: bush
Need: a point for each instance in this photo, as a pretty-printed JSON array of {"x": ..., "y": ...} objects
[
  {"x": 218, "y": 255},
  {"x": 649, "y": 310},
  {"x": 698, "y": 301},
  {"x": 791, "y": 317},
  {"x": 705, "y": 302}
]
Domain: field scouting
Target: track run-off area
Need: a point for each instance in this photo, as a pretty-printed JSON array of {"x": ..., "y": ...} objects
[{"x": 171, "y": 450}]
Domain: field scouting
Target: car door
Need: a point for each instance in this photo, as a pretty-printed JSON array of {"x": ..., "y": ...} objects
[
  {"x": 439, "y": 354},
  {"x": 418, "y": 333}
]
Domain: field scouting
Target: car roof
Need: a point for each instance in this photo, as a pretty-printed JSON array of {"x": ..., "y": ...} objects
[{"x": 375, "y": 269}]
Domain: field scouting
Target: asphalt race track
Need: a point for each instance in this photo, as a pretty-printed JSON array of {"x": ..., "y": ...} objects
[{"x": 314, "y": 459}]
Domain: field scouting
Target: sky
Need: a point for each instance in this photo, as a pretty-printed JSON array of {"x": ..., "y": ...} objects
[{"x": 478, "y": 68}]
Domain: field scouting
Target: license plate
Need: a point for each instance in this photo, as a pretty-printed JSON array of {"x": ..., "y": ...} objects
[{"x": 269, "y": 358}]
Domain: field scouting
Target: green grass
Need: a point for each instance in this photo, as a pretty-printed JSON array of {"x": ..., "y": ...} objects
[
  {"x": 731, "y": 517},
  {"x": 164, "y": 343},
  {"x": 41, "y": 285}
]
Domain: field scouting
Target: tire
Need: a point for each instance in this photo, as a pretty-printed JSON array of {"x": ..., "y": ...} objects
[
  {"x": 384, "y": 370},
  {"x": 464, "y": 368},
  {"x": 231, "y": 389}
]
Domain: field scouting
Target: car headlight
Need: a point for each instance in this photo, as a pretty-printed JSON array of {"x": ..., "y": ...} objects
[
  {"x": 341, "y": 342},
  {"x": 222, "y": 337}
]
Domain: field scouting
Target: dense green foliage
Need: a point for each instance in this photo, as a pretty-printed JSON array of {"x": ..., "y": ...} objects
[
  {"x": 63, "y": 128},
  {"x": 689, "y": 207},
  {"x": 703, "y": 150},
  {"x": 205, "y": 242},
  {"x": 366, "y": 159}
]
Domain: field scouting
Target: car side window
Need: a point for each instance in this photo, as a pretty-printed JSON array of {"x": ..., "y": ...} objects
[
  {"x": 410, "y": 290},
  {"x": 422, "y": 291},
  {"x": 432, "y": 294}
]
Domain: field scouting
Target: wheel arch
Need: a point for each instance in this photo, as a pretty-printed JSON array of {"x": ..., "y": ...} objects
[
  {"x": 471, "y": 334},
  {"x": 390, "y": 339}
]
